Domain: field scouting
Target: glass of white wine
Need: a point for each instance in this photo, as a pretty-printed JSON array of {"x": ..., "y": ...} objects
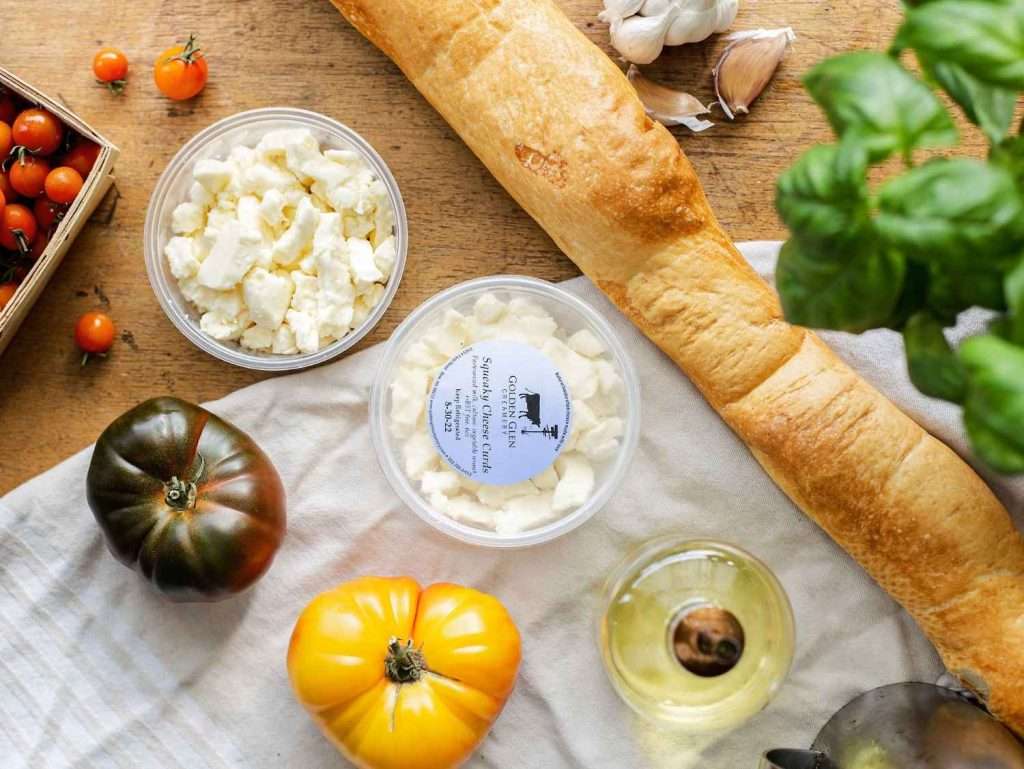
[{"x": 696, "y": 633}]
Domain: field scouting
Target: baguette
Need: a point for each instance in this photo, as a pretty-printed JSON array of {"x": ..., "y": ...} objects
[{"x": 558, "y": 124}]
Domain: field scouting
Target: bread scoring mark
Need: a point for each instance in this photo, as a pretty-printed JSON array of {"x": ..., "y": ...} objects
[{"x": 552, "y": 167}]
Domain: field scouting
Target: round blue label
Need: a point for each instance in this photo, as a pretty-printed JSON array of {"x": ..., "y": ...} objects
[{"x": 499, "y": 412}]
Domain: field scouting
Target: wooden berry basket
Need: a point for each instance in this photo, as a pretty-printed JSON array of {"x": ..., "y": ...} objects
[{"x": 96, "y": 186}]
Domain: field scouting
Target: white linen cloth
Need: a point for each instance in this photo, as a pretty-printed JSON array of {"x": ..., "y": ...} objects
[{"x": 98, "y": 671}]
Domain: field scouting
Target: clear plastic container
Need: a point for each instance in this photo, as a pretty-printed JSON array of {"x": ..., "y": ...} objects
[
  {"x": 696, "y": 634},
  {"x": 571, "y": 315},
  {"x": 216, "y": 141}
]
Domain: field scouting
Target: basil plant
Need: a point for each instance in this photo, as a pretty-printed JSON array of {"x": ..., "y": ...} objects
[{"x": 938, "y": 238}]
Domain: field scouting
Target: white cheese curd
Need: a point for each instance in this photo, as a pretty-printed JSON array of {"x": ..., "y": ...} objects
[
  {"x": 282, "y": 247},
  {"x": 595, "y": 388}
]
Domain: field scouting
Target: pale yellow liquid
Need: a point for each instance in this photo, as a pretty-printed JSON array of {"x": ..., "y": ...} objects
[{"x": 668, "y": 578}]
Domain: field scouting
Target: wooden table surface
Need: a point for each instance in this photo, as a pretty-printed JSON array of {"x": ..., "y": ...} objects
[{"x": 303, "y": 54}]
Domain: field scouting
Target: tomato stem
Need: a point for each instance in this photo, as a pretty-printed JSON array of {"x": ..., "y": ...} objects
[
  {"x": 181, "y": 494},
  {"x": 404, "y": 663},
  {"x": 19, "y": 236},
  {"x": 190, "y": 53}
]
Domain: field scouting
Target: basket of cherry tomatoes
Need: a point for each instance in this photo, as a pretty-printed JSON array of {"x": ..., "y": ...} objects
[{"x": 54, "y": 171}]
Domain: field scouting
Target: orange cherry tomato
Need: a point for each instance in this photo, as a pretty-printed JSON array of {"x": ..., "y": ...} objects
[
  {"x": 8, "y": 107},
  {"x": 38, "y": 131},
  {"x": 94, "y": 333},
  {"x": 181, "y": 71},
  {"x": 3, "y": 204},
  {"x": 7, "y": 293},
  {"x": 82, "y": 157},
  {"x": 18, "y": 228},
  {"x": 47, "y": 213},
  {"x": 28, "y": 175},
  {"x": 63, "y": 184},
  {"x": 6, "y": 140},
  {"x": 110, "y": 66}
]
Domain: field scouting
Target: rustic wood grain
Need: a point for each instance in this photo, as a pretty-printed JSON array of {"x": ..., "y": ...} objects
[{"x": 282, "y": 52}]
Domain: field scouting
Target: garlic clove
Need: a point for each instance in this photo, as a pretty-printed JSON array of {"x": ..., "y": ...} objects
[
  {"x": 695, "y": 24},
  {"x": 640, "y": 38},
  {"x": 667, "y": 105},
  {"x": 616, "y": 10},
  {"x": 747, "y": 65},
  {"x": 654, "y": 7}
]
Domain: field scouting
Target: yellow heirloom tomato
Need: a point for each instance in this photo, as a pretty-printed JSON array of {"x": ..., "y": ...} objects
[{"x": 403, "y": 678}]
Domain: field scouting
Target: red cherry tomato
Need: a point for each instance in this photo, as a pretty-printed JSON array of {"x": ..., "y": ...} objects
[
  {"x": 82, "y": 157},
  {"x": 47, "y": 213},
  {"x": 63, "y": 184},
  {"x": 38, "y": 130},
  {"x": 94, "y": 333},
  {"x": 6, "y": 140},
  {"x": 3, "y": 204},
  {"x": 28, "y": 175},
  {"x": 110, "y": 66},
  {"x": 5, "y": 186},
  {"x": 18, "y": 228},
  {"x": 7, "y": 291},
  {"x": 181, "y": 71},
  {"x": 38, "y": 246}
]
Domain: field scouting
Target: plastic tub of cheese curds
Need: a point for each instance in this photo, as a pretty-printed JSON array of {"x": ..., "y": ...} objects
[
  {"x": 505, "y": 411},
  {"x": 246, "y": 129}
]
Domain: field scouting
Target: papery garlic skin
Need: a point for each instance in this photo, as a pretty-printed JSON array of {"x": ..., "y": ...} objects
[
  {"x": 668, "y": 106},
  {"x": 640, "y": 30}
]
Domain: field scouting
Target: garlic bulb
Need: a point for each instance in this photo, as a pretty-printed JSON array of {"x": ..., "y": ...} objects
[
  {"x": 620, "y": 9},
  {"x": 640, "y": 38},
  {"x": 699, "y": 20},
  {"x": 667, "y": 105},
  {"x": 746, "y": 66},
  {"x": 641, "y": 29}
]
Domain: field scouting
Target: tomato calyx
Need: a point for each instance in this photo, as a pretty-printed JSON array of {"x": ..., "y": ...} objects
[
  {"x": 404, "y": 663},
  {"x": 180, "y": 494},
  {"x": 116, "y": 87},
  {"x": 190, "y": 53}
]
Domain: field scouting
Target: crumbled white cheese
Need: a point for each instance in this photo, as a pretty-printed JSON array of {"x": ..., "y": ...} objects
[
  {"x": 595, "y": 387},
  {"x": 213, "y": 175},
  {"x": 181, "y": 256},
  {"x": 283, "y": 247},
  {"x": 187, "y": 218}
]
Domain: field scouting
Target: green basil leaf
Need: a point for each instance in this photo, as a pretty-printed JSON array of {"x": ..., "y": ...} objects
[
  {"x": 1009, "y": 154},
  {"x": 913, "y": 295},
  {"x": 994, "y": 406},
  {"x": 958, "y": 211},
  {"x": 852, "y": 289},
  {"x": 989, "y": 107},
  {"x": 1013, "y": 285},
  {"x": 873, "y": 98},
  {"x": 824, "y": 196},
  {"x": 950, "y": 292},
  {"x": 934, "y": 368},
  {"x": 985, "y": 37}
]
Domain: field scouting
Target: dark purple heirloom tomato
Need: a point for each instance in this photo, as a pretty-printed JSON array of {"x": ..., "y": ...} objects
[{"x": 186, "y": 499}]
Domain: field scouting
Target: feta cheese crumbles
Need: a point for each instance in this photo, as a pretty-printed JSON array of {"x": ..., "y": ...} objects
[
  {"x": 282, "y": 247},
  {"x": 597, "y": 394}
]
